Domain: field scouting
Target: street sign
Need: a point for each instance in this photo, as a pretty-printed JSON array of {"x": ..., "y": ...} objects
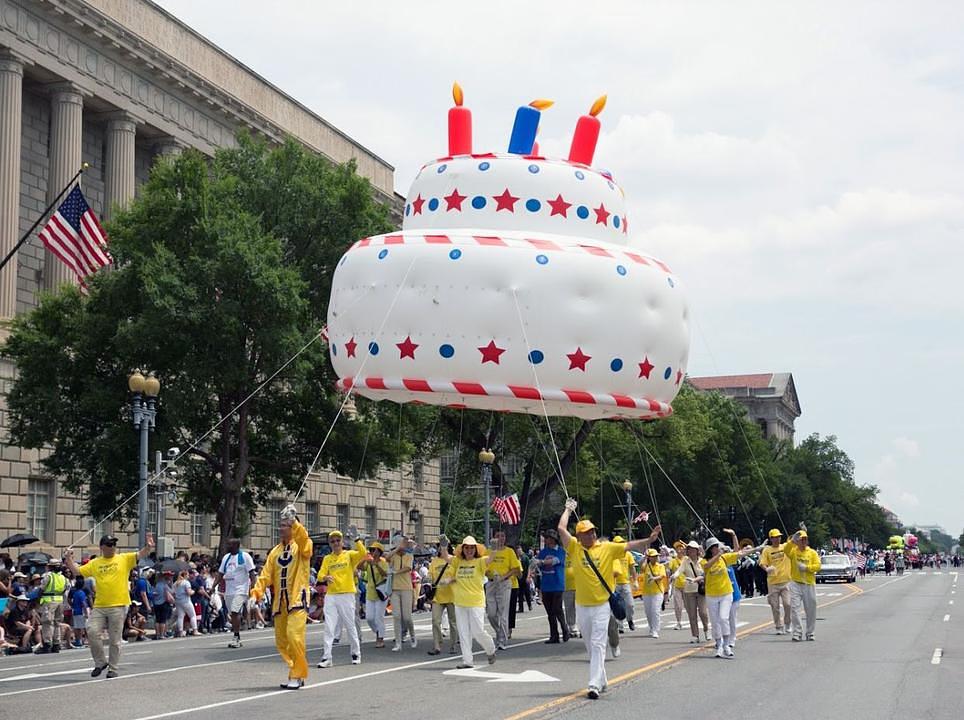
[{"x": 525, "y": 676}]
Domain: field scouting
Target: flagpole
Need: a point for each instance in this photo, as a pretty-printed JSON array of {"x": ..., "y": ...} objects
[{"x": 26, "y": 235}]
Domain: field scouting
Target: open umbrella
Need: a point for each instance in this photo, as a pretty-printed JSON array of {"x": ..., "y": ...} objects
[
  {"x": 172, "y": 565},
  {"x": 35, "y": 560},
  {"x": 19, "y": 540}
]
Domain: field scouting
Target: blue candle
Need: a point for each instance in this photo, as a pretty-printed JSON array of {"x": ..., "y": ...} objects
[{"x": 525, "y": 127}]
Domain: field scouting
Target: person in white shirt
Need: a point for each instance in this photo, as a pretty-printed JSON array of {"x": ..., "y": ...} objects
[{"x": 238, "y": 572}]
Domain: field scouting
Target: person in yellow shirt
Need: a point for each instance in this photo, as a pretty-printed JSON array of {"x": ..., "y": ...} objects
[
  {"x": 374, "y": 569},
  {"x": 469, "y": 565},
  {"x": 625, "y": 579},
  {"x": 443, "y": 597},
  {"x": 504, "y": 567},
  {"x": 569, "y": 598},
  {"x": 777, "y": 565},
  {"x": 592, "y": 594},
  {"x": 804, "y": 564},
  {"x": 655, "y": 587},
  {"x": 719, "y": 592},
  {"x": 285, "y": 572},
  {"x": 338, "y": 570},
  {"x": 110, "y": 571},
  {"x": 677, "y": 582}
]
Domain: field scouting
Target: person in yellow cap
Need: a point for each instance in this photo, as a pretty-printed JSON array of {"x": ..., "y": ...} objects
[
  {"x": 443, "y": 597},
  {"x": 285, "y": 572},
  {"x": 676, "y": 582},
  {"x": 469, "y": 565},
  {"x": 719, "y": 592},
  {"x": 655, "y": 587},
  {"x": 338, "y": 570},
  {"x": 804, "y": 564},
  {"x": 777, "y": 565},
  {"x": 374, "y": 569},
  {"x": 625, "y": 570},
  {"x": 592, "y": 593}
]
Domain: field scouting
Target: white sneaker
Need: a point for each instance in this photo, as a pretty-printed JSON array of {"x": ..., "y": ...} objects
[
  {"x": 414, "y": 642},
  {"x": 780, "y": 631},
  {"x": 728, "y": 651},
  {"x": 259, "y": 626},
  {"x": 719, "y": 651},
  {"x": 356, "y": 659},
  {"x": 397, "y": 648},
  {"x": 325, "y": 663},
  {"x": 654, "y": 634},
  {"x": 616, "y": 651},
  {"x": 679, "y": 626},
  {"x": 236, "y": 643},
  {"x": 293, "y": 684}
]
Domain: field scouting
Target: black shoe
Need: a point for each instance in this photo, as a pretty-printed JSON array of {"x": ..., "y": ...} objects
[
  {"x": 55, "y": 648},
  {"x": 111, "y": 674},
  {"x": 552, "y": 641},
  {"x": 565, "y": 637},
  {"x": 97, "y": 671},
  {"x": 632, "y": 625},
  {"x": 433, "y": 652},
  {"x": 593, "y": 694},
  {"x": 43, "y": 650}
]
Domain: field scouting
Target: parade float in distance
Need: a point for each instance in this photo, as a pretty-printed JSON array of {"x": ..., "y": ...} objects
[{"x": 511, "y": 287}]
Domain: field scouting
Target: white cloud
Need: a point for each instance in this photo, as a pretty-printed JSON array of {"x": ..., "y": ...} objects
[{"x": 907, "y": 447}]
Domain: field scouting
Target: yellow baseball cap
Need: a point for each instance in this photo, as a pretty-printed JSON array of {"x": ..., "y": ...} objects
[
  {"x": 802, "y": 534},
  {"x": 619, "y": 538},
  {"x": 679, "y": 544},
  {"x": 335, "y": 533},
  {"x": 376, "y": 546},
  {"x": 652, "y": 553},
  {"x": 584, "y": 526},
  {"x": 775, "y": 533}
]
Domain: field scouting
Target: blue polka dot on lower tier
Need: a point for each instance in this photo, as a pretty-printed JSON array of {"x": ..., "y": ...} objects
[
  {"x": 542, "y": 259},
  {"x": 667, "y": 373},
  {"x": 382, "y": 253},
  {"x": 616, "y": 221},
  {"x": 670, "y": 281},
  {"x": 580, "y": 175},
  {"x": 621, "y": 269},
  {"x": 455, "y": 254},
  {"x": 441, "y": 169},
  {"x": 483, "y": 166},
  {"x": 533, "y": 169},
  {"x": 433, "y": 204}
]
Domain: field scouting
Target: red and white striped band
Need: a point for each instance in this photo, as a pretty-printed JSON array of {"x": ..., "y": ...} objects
[{"x": 652, "y": 408}]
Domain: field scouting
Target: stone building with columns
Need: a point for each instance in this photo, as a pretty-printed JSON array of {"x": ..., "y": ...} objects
[
  {"x": 770, "y": 399},
  {"x": 116, "y": 84}
]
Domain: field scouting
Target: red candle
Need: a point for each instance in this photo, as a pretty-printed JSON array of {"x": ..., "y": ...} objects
[
  {"x": 587, "y": 133},
  {"x": 460, "y": 125}
]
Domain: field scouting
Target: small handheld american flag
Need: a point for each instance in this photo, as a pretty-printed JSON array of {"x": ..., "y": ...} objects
[
  {"x": 643, "y": 516},
  {"x": 76, "y": 237}
]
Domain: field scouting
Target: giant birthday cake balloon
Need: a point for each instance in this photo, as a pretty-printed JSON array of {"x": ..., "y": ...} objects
[{"x": 511, "y": 287}]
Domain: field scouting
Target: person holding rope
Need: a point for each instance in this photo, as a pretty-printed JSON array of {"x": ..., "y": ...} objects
[
  {"x": 777, "y": 565},
  {"x": 592, "y": 564},
  {"x": 551, "y": 562},
  {"x": 338, "y": 570},
  {"x": 804, "y": 564},
  {"x": 285, "y": 572},
  {"x": 375, "y": 573},
  {"x": 469, "y": 565},
  {"x": 719, "y": 592},
  {"x": 443, "y": 598},
  {"x": 110, "y": 570}
]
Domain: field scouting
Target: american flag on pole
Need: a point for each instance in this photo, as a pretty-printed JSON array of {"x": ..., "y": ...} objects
[
  {"x": 643, "y": 516},
  {"x": 75, "y": 236},
  {"x": 861, "y": 561},
  {"x": 508, "y": 509}
]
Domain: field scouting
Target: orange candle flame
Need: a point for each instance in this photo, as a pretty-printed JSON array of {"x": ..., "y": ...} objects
[
  {"x": 457, "y": 94},
  {"x": 542, "y": 104},
  {"x": 597, "y": 107}
]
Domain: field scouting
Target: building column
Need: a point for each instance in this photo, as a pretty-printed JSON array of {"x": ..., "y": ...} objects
[
  {"x": 11, "y": 104},
  {"x": 119, "y": 173},
  {"x": 66, "y": 140},
  {"x": 168, "y": 146}
]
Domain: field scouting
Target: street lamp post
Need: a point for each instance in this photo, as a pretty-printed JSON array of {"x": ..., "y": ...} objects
[
  {"x": 144, "y": 392},
  {"x": 487, "y": 457},
  {"x": 628, "y": 489}
]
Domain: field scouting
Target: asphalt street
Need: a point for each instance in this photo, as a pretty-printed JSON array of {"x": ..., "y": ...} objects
[{"x": 885, "y": 648}]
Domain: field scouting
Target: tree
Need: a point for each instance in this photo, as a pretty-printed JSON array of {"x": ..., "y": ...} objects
[{"x": 223, "y": 270}]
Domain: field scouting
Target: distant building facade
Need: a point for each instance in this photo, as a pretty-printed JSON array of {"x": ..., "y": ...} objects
[
  {"x": 770, "y": 399},
  {"x": 116, "y": 84}
]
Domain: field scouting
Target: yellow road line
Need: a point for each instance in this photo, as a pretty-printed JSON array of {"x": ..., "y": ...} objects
[{"x": 854, "y": 591}]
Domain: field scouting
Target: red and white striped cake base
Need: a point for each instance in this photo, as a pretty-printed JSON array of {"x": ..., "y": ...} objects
[{"x": 508, "y": 398}]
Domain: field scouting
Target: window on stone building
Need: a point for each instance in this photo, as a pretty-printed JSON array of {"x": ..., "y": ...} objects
[
  {"x": 273, "y": 509},
  {"x": 371, "y": 520},
  {"x": 38, "y": 508},
  {"x": 311, "y": 517},
  {"x": 448, "y": 465},
  {"x": 763, "y": 428},
  {"x": 418, "y": 477},
  {"x": 342, "y": 517},
  {"x": 199, "y": 529},
  {"x": 152, "y": 513},
  {"x": 97, "y": 529}
]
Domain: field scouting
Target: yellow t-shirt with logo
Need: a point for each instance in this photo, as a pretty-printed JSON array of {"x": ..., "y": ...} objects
[
  {"x": 808, "y": 556},
  {"x": 654, "y": 578},
  {"x": 502, "y": 561},
  {"x": 589, "y": 591},
  {"x": 775, "y": 557},
  {"x": 570, "y": 574},
  {"x": 444, "y": 594},
  {"x": 341, "y": 566},
  {"x": 111, "y": 576},
  {"x": 680, "y": 582},
  {"x": 468, "y": 588},
  {"x": 376, "y": 571},
  {"x": 717, "y": 578},
  {"x": 621, "y": 568}
]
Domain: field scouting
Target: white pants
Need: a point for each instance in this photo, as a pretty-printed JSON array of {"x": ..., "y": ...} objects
[
  {"x": 734, "y": 609},
  {"x": 340, "y": 615},
  {"x": 497, "y": 597},
  {"x": 719, "y": 607},
  {"x": 470, "y": 622},
  {"x": 627, "y": 592},
  {"x": 652, "y": 603},
  {"x": 185, "y": 609},
  {"x": 375, "y": 614},
  {"x": 593, "y": 623},
  {"x": 803, "y": 599}
]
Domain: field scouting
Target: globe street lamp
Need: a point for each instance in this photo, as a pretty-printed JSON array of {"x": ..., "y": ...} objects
[
  {"x": 144, "y": 391},
  {"x": 486, "y": 457},
  {"x": 628, "y": 489}
]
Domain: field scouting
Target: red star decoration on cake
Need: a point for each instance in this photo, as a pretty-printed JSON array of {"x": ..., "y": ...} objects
[
  {"x": 559, "y": 206},
  {"x": 578, "y": 360},
  {"x": 645, "y": 368},
  {"x": 602, "y": 214},
  {"x": 491, "y": 353},
  {"x": 454, "y": 201},
  {"x": 679, "y": 376},
  {"x": 350, "y": 347},
  {"x": 417, "y": 205},
  {"x": 505, "y": 201},
  {"x": 406, "y": 348},
  {"x": 625, "y": 225}
]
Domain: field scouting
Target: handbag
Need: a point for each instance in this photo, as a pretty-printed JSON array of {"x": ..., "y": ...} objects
[
  {"x": 700, "y": 581},
  {"x": 616, "y": 604},
  {"x": 430, "y": 589},
  {"x": 381, "y": 590}
]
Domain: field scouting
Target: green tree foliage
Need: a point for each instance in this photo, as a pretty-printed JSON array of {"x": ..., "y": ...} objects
[{"x": 223, "y": 274}]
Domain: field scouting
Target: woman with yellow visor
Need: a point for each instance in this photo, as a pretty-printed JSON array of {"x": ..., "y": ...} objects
[{"x": 468, "y": 580}]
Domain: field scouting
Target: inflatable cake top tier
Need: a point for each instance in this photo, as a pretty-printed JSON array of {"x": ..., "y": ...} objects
[{"x": 523, "y": 193}]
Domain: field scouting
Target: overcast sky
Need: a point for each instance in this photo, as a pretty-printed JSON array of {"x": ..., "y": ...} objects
[{"x": 799, "y": 165}]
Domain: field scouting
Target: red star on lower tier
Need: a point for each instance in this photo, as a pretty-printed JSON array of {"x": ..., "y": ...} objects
[
  {"x": 602, "y": 214},
  {"x": 559, "y": 206},
  {"x": 645, "y": 368},
  {"x": 417, "y": 205},
  {"x": 679, "y": 376},
  {"x": 454, "y": 201},
  {"x": 625, "y": 225},
  {"x": 491, "y": 353},
  {"x": 350, "y": 347},
  {"x": 505, "y": 201},
  {"x": 578, "y": 360},
  {"x": 406, "y": 348}
]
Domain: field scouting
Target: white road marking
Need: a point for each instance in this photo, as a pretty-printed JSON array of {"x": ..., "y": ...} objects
[
  {"x": 31, "y": 676},
  {"x": 936, "y": 657},
  {"x": 84, "y": 659},
  {"x": 524, "y": 676},
  {"x": 946, "y": 618}
]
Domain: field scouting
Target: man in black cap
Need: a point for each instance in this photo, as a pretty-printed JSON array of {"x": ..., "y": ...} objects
[
  {"x": 52, "y": 589},
  {"x": 551, "y": 562},
  {"x": 110, "y": 570}
]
